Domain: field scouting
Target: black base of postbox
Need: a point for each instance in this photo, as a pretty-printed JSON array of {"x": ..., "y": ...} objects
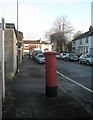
[{"x": 51, "y": 91}]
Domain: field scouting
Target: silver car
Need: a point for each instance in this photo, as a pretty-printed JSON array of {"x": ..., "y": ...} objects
[
  {"x": 86, "y": 59},
  {"x": 71, "y": 57},
  {"x": 40, "y": 58}
]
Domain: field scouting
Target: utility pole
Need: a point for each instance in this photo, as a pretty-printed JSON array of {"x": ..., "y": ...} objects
[
  {"x": 2, "y": 58},
  {"x": 17, "y": 38},
  {"x": 92, "y": 13}
]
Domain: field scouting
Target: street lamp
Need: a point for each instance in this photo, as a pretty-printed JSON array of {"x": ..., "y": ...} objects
[{"x": 17, "y": 38}]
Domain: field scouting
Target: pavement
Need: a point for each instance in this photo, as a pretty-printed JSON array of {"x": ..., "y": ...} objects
[{"x": 25, "y": 97}]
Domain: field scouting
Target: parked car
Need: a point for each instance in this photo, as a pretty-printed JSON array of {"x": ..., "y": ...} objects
[
  {"x": 71, "y": 57},
  {"x": 58, "y": 56},
  {"x": 40, "y": 58},
  {"x": 86, "y": 59},
  {"x": 35, "y": 51},
  {"x": 63, "y": 55},
  {"x": 35, "y": 54}
]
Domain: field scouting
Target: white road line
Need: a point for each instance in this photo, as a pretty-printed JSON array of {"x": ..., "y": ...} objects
[{"x": 74, "y": 82}]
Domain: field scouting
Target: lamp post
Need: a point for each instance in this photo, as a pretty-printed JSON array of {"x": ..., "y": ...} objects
[
  {"x": 17, "y": 38},
  {"x": 92, "y": 13}
]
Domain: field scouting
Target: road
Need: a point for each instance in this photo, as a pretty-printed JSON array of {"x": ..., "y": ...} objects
[
  {"x": 80, "y": 73},
  {"x": 76, "y": 80}
]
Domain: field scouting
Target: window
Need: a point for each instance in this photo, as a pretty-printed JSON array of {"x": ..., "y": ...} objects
[
  {"x": 86, "y": 40},
  {"x": 80, "y": 49},
  {"x": 25, "y": 45},
  {"x": 74, "y": 42},
  {"x": 80, "y": 42},
  {"x": 86, "y": 50},
  {"x": 90, "y": 56}
]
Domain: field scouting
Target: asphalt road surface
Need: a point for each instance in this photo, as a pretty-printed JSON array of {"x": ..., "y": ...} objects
[{"x": 76, "y": 80}]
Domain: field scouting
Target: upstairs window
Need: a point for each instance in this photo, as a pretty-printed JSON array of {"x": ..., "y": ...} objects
[
  {"x": 74, "y": 42},
  {"x": 80, "y": 42},
  {"x": 86, "y": 40}
]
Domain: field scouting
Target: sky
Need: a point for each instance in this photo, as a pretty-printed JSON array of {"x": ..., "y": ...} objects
[{"x": 36, "y": 17}]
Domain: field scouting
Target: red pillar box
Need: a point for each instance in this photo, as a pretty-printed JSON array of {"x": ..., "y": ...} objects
[{"x": 50, "y": 74}]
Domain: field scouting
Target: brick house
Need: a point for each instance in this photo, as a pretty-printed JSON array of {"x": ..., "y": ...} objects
[
  {"x": 20, "y": 50},
  {"x": 29, "y": 44}
]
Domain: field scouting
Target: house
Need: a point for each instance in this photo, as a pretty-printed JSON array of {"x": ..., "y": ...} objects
[
  {"x": 83, "y": 43},
  {"x": 30, "y": 44},
  {"x": 11, "y": 52},
  {"x": 20, "y": 49}
]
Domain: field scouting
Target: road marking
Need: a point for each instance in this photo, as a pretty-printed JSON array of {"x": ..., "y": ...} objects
[{"x": 75, "y": 82}]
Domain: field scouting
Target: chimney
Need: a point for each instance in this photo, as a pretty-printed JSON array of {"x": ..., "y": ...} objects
[{"x": 91, "y": 28}]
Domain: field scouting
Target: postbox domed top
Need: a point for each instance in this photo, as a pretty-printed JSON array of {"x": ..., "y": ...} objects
[{"x": 50, "y": 53}]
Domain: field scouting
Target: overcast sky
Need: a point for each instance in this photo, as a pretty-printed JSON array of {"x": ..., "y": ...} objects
[{"x": 37, "y": 16}]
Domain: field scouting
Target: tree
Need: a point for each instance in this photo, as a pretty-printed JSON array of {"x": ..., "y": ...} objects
[
  {"x": 60, "y": 31},
  {"x": 77, "y": 34},
  {"x": 69, "y": 46},
  {"x": 63, "y": 25},
  {"x": 59, "y": 40}
]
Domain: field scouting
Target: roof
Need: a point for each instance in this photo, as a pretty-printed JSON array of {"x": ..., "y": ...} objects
[
  {"x": 12, "y": 25},
  {"x": 84, "y": 35},
  {"x": 9, "y": 25},
  {"x": 34, "y": 42}
]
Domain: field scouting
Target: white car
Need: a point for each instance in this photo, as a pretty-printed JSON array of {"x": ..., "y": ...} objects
[
  {"x": 63, "y": 55},
  {"x": 58, "y": 56},
  {"x": 86, "y": 59}
]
